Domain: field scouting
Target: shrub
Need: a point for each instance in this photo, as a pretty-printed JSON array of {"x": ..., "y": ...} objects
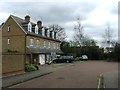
[
  {"x": 30, "y": 67},
  {"x": 9, "y": 50},
  {"x": 36, "y": 66},
  {"x": 77, "y": 59}
]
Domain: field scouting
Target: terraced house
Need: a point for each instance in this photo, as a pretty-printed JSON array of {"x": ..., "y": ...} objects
[{"x": 25, "y": 42}]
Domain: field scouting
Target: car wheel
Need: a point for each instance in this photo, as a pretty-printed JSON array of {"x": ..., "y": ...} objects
[
  {"x": 53, "y": 61},
  {"x": 67, "y": 61}
]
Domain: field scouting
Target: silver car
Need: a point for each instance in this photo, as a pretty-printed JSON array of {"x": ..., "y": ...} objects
[{"x": 84, "y": 57}]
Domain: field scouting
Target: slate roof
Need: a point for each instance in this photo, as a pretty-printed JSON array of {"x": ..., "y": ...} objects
[
  {"x": 42, "y": 50},
  {"x": 22, "y": 23},
  {"x": 1, "y": 26}
]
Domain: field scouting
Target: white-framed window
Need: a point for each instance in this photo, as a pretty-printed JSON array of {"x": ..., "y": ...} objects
[
  {"x": 48, "y": 33},
  {"x": 8, "y": 41},
  {"x": 56, "y": 35},
  {"x": 54, "y": 45},
  {"x": 31, "y": 42},
  {"x": 53, "y": 34},
  {"x": 44, "y": 44},
  {"x": 36, "y": 29},
  {"x": 57, "y": 46},
  {"x": 48, "y": 44},
  {"x": 43, "y": 32},
  {"x": 38, "y": 43},
  {"x": 29, "y": 27},
  {"x": 9, "y": 29}
]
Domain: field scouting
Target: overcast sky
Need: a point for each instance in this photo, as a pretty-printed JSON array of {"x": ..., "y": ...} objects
[{"x": 94, "y": 14}]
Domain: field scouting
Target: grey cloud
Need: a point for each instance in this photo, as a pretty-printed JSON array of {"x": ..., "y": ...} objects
[
  {"x": 50, "y": 12},
  {"x": 98, "y": 31},
  {"x": 67, "y": 13},
  {"x": 87, "y": 7},
  {"x": 115, "y": 11},
  {"x": 55, "y": 13},
  {"x": 88, "y": 25}
]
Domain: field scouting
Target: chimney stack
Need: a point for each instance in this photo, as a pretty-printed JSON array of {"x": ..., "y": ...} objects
[
  {"x": 39, "y": 23},
  {"x": 27, "y": 18}
]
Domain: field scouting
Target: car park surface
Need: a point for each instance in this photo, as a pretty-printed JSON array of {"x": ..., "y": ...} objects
[{"x": 78, "y": 75}]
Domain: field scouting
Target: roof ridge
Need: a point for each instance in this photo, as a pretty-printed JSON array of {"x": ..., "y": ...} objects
[
  {"x": 17, "y": 17},
  {"x": 21, "y": 18}
]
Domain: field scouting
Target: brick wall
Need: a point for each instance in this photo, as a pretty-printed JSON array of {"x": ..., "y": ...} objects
[{"x": 12, "y": 63}]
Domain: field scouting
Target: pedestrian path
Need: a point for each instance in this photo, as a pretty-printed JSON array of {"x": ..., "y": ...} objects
[
  {"x": 44, "y": 70},
  {"x": 12, "y": 80},
  {"x": 111, "y": 79}
]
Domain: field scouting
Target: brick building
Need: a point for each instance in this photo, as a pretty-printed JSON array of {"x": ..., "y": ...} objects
[{"x": 25, "y": 42}]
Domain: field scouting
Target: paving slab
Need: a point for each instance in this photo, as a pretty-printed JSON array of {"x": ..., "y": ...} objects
[{"x": 111, "y": 79}]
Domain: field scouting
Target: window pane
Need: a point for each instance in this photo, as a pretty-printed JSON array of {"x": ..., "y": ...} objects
[
  {"x": 8, "y": 41},
  {"x": 8, "y": 29},
  {"x": 31, "y": 42},
  {"x": 38, "y": 43},
  {"x": 44, "y": 44},
  {"x": 36, "y": 29}
]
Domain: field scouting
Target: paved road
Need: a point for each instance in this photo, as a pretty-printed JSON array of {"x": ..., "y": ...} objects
[{"x": 77, "y": 75}]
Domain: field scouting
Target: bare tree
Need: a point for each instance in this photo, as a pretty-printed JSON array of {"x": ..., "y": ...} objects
[
  {"x": 79, "y": 35},
  {"x": 60, "y": 31},
  {"x": 80, "y": 38},
  {"x": 108, "y": 37}
]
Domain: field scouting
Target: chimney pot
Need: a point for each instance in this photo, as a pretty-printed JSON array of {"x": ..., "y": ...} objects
[{"x": 27, "y": 18}]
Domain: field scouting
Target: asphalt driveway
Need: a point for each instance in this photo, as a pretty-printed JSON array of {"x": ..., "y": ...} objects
[{"x": 78, "y": 75}]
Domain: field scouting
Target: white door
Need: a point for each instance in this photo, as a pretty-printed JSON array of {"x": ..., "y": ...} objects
[{"x": 42, "y": 59}]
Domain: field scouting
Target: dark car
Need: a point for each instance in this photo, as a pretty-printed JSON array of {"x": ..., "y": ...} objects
[{"x": 63, "y": 59}]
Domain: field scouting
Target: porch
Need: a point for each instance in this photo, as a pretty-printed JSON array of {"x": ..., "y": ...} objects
[{"x": 41, "y": 56}]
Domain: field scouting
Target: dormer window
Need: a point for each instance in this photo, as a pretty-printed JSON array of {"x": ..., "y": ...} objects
[
  {"x": 43, "y": 32},
  {"x": 29, "y": 27},
  {"x": 53, "y": 34},
  {"x": 40, "y": 31},
  {"x": 56, "y": 35},
  {"x": 48, "y": 33},
  {"x": 36, "y": 29}
]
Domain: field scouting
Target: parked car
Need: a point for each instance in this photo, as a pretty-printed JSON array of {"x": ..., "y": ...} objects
[
  {"x": 63, "y": 59},
  {"x": 84, "y": 57}
]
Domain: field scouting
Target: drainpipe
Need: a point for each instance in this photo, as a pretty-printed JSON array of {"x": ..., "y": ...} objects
[
  {"x": 31, "y": 61},
  {"x": 25, "y": 52}
]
